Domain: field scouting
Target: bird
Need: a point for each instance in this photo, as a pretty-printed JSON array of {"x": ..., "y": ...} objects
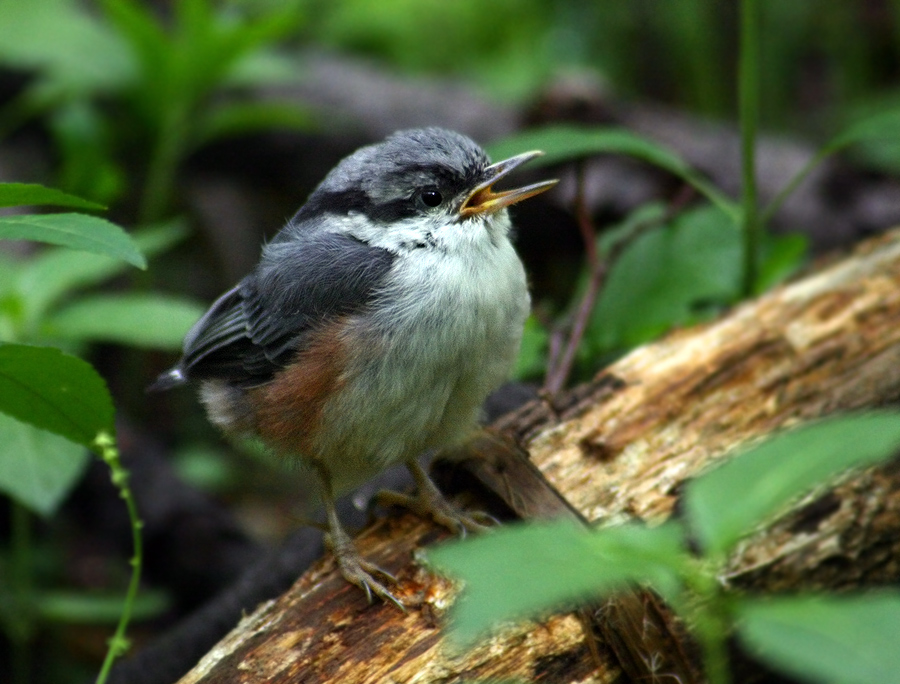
[{"x": 375, "y": 324}]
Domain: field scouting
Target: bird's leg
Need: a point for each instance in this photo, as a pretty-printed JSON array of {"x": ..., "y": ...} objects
[
  {"x": 355, "y": 569},
  {"x": 428, "y": 501}
]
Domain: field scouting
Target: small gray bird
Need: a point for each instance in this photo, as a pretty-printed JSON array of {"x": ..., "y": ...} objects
[{"x": 375, "y": 324}]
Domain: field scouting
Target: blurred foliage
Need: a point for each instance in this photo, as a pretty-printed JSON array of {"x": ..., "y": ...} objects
[
  {"x": 504, "y": 45},
  {"x": 127, "y": 86},
  {"x": 814, "y": 55},
  {"x": 120, "y": 84}
]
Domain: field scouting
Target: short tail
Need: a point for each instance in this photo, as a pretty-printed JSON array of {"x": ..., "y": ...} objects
[{"x": 168, "y": 380}]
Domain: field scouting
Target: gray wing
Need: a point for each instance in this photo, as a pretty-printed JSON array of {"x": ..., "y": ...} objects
[{"x": 254, "y": 329}]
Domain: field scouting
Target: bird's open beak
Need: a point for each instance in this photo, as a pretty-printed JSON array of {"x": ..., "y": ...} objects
[{"x": 483, "y": 200}]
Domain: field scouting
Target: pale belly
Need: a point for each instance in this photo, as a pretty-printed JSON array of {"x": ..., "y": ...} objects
[{"x": 422, "y": 380}]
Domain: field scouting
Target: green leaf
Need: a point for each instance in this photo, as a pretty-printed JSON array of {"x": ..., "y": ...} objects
[
  {"x": 669, "y": 276},
  {"x": 78, "y": 231},
  {"x": 154, "y": 321},
  {"x": 729, "y": 502},
  {"x": 22, "y": 194},
  {"x": 527, "y": 569},
  {"x": 56, "y": 272},
  {"x": 879, "y": 134},
  {"x": 566, "y": 143},
  {"x": 74, "y": 51},
  {"x": 38, "y": 468},
  {"x": 882, "y": 126},
  {"x": 54, "y": 391},
  {"x": 849, "y": 640},
  {"x": 145, "y": 39},
  {"x": 781, "y": 256},
  {"x": 676, "y": 274}
]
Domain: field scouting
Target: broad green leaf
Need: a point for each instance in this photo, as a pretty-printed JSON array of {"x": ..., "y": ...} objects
[
  {"x": 78, "y": 231},
  {"x": 54, "y": 391},
  {"x": 38, "y": 468},
  {"x": 676, "y": 274},
  {"x": 154, "y": 321},
  {"x": 846, "y": 640},
  {"x": 669, "y": 276},
  {"x": 21, "y": 194},
  {"x": 12, "y": 311},
  {"x": 640, "y": 219},
  {"x": 730, "y": 501},
  {"x": 781, "y": 256},
  {"x": 56, "y": 272},
  {"x": 523, "y": 570},
  {"x": 567, "y": 143}
]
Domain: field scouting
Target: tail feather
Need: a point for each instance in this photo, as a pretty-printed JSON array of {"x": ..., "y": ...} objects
[{"x": 166, "y": 381}]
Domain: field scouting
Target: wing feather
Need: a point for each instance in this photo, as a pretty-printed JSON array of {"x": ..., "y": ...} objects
[{"x": 255, "y": 328}]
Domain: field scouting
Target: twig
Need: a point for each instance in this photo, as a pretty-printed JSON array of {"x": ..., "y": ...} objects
[{"x": 558, "y": 373}]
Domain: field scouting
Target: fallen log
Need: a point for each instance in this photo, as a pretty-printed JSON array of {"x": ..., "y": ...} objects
[{"x": 620, "y": 447}]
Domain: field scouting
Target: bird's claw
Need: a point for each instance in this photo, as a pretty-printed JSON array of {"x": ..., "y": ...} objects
[
  {"x": 357, "y": 570},
  {"x": 429, "y": 502}
]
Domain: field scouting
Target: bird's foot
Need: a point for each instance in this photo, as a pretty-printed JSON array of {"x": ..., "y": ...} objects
[
  {"x": 357, "y": 570},
  {"x": 429, "y": 502}
]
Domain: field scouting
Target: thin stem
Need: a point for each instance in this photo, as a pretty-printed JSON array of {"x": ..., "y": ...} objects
[
  {"x": 749, "y": 116},
  {"x": 559, "y": 372},
  {"x": 22, "y": 586},
  {"x": 562, "y": 353},
  {"x": 707, "y": 612},
  {"x": 583, "y": 214},
  {"x": 714, "y": 641},
  {"x": 794, "y": 183},
  {"x": 118, "y": 644},
  {"x": 160, "y": 181}
]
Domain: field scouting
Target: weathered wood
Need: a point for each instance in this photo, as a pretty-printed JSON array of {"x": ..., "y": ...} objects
[
  {"x": 323, "y": 630},
  {"x": 631, "y": 625},
  {"x": 622, "y": 446}
]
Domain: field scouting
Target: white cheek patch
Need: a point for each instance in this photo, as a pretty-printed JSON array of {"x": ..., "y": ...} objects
[{"x": 438, "y": 231}]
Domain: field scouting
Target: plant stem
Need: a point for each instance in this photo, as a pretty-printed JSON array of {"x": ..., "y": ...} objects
[
  {"x": 22, "y": 586},
  {"x": 714, "y": 641},
  {"x": 706, "y": 610},
  {"x": 749, "y": 115},
  {"x": 118, "y": 644},
  {"x": 794, "y": 183},
  {"x": 564, "y": 361},
  {"x": 167, "y": 152}
]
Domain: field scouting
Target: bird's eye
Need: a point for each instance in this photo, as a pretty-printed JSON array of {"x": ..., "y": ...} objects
[{"x": 431, "y": 197}]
